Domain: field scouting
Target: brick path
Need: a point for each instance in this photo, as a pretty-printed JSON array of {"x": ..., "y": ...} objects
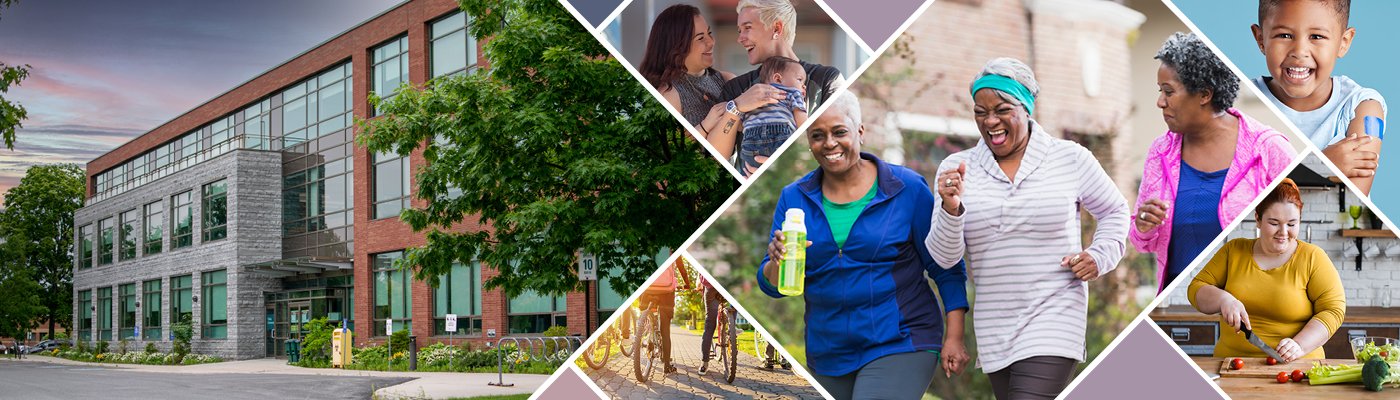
[{"x": 751, "y": 381}]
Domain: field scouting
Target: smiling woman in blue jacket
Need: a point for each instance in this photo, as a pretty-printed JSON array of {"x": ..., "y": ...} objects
[{"x": 874, "y": 329}]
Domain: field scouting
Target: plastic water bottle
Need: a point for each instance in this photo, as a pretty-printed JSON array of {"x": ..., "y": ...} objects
[{"x": 794, "y": 268}]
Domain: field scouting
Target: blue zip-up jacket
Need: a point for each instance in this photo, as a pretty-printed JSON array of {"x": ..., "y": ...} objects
[{"x": 870, "y": 299}]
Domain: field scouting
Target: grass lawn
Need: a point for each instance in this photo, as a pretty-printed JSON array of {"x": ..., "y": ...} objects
[{"x": 746, "y": 341}]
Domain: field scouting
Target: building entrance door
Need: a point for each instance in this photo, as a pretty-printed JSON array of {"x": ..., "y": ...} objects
[{"x": 299, "y": 313}]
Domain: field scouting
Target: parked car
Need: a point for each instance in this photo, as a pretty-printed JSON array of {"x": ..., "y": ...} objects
[{"x": 48, "y": 345}]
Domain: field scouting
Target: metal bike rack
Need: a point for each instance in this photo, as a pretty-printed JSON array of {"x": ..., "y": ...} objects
[{"x": 534, "y": 347}]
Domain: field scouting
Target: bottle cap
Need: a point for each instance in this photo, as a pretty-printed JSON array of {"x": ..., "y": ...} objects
[{"x": 795, "y": 215}]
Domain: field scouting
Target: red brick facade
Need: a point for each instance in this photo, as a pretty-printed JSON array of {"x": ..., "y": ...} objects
[{"x": 371, "y": 236}]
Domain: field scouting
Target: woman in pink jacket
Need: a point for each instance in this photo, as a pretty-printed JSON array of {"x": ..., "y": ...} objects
[{"x": 1211, "y": 164}]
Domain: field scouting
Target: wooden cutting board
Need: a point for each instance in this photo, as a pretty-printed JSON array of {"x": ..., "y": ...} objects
[{"x": 1259, "y": 368}]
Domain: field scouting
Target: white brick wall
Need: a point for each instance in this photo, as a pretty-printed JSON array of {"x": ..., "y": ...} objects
[{"x": 1362, "y": 287}]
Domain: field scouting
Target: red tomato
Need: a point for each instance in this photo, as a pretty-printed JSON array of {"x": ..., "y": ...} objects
[
  {"x": 1298, "y": 375},
  {"x": 1283, "y": 377},
  {"x": 1237, "y": 364},
  {"x": 1271, "y": 361},
  {"x": 1385, "y": 354}
]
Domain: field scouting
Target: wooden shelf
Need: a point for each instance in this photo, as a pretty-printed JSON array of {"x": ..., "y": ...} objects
[{"x": 1368, "y": 233}]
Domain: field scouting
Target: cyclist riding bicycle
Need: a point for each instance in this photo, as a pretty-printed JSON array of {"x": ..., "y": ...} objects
[
  {"x": 662, "y": 293},
  {"x": 713, "y": 301}
]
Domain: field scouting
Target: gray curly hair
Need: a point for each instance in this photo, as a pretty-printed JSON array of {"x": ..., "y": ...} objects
[
  {"x": 1199, "y": 69},
  {"x": 1010, "y": 68}
]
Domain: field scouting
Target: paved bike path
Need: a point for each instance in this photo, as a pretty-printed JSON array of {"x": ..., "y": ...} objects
[{"x": 751, "y": 381}]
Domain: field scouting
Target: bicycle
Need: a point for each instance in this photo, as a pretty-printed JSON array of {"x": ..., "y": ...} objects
[
  {"x": 728, "y": 344},
  {"x": 646, "y": 339},
  {"x": 597, "y": 355}
]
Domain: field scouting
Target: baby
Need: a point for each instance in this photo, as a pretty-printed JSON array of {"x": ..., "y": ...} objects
[
  {"x": 766, "y": 128},
  {"x": 1301, "y": 41}
]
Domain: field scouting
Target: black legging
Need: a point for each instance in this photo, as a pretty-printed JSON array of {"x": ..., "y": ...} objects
[
  {"x": 666, "y": 305},
  {"x": 1040, "y": 377},
  {"x": 712, "y": 301}
]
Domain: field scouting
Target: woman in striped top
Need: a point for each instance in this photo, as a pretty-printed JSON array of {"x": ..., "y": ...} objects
[{"x": 1012, "y": 204}]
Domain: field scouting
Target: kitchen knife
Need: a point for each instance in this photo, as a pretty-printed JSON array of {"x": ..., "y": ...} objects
[{"x": 1254, "y": 340}]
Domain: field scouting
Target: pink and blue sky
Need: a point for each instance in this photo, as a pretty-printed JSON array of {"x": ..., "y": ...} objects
[{"x": 104, "y": 72}]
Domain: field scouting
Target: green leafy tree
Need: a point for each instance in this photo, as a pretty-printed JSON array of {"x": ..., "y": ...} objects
[
  {"x": 37, "y": 227},
  {"x": 556, "y": 147},
  {"x": 12, "y": 114},
  {"x": 20, "y": 303}
]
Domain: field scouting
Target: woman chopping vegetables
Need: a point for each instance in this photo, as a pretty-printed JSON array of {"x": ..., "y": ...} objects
[{"x": 1285, "y": 290}]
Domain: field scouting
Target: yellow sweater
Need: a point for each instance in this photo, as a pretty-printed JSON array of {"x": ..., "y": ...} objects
[{"x": 1279, "y": 301}]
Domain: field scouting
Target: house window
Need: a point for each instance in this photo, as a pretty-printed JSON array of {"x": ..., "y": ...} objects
[
  {"x": 129, "y": 234},
  {"x": 85, "y": 316},
  {"x": 127, "y": 315},
  {"x": 609, "y": 298},
  {"x": 182, "y": 220},
  {"x": 215, "y": 304},
  {"x": 154, "y": 224},
  {"x": 453, "y": 49},
  {"x": 104, "y": 313},
  {"x": 458, "y": 292},
  {"x": 181, "y": 308},
  {"x": 215, "y": 208},
  {"x": 531, "y": 312},
  {"x": 390, "y": 68},
  {"x": 85, "y": 248},
  {"x": 150, "y": 322},
  {"x": 391, "y": 185},
  {"x": 104, "y": 248},
  {"x": 392, "y": 299}
]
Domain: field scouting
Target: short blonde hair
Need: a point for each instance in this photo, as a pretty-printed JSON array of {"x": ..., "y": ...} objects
[{"x": 772, "y": 11}]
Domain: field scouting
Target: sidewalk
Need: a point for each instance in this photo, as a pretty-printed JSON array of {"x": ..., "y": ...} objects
[
  {"x": 428, "y": 385},
  {"x": 752, "y": 381}
]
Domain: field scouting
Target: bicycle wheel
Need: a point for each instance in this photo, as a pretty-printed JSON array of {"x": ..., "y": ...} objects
[
  {"x": 731, "y": 335},
  {"x": 597, "y": 356},
  {"x": 644, "y": 349}
]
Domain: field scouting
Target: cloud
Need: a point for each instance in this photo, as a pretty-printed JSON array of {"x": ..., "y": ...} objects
[{"x": 57, "y": 144}]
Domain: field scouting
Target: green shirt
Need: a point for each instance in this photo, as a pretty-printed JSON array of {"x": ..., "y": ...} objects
[{"x": 841, "y": 216}]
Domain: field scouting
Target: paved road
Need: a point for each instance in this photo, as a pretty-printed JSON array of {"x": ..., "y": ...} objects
[
  {"x": 44, "y": 380},
  {"x": 752, "y": 380}
]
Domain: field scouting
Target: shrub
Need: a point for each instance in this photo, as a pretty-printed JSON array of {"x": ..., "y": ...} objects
[
  {"x": 121, "y": 346},
  {"x": 101, "y": 347},
  {"x": 399, "y": 340},
  {"x": 151, "y": 348},
  {"x": 554, "y": 331},
  {"x": 439, "y": 355},
  {"x": 82, "y": 347},
  {"x": 183, "y": 332},
  {"x": 316, "y": 345}
]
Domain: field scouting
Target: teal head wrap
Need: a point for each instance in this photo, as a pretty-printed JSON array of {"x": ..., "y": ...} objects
[{"x": 1008, "y": 86}]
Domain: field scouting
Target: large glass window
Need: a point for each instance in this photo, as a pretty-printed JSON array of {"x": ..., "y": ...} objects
[
  {"x": 531, "y": 312},
  {"x": 215, "y": 207},
  {"x": 392, "y": 299},
  {"x": 85, "y": 248},
  {"x": 129, "y": 234},
  {"x": 104, "y": 248},
  {"x": 454, "y": 50},
  {"x": 256, "y": 126},
  {"x": 390, "y": 67},
  {"x": 459, "y": 292},
  {"x": 215, "y": 304},
  {"x": 182, "y": 220},
  {"x": 85, "y": 316},
  {"x": 181, "y": 308},
  {"x": 154, "y": 229},
  {"x": 609, "y": 298},
  {"x": 104, "y": 313},
  {"x": 150, "y": 321},
  {"x": 127, "y": 313},
  {"x": 317, "y": 106},
  {"x": 391, "y": 185}
]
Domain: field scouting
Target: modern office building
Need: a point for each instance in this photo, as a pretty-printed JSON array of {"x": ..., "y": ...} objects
[{"x": 255, "y": 212}]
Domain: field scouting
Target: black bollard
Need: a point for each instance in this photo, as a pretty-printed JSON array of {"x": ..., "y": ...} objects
[{"x": 412, "y": 353}]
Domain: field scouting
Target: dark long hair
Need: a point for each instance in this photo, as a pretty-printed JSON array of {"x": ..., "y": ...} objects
[{"x": 669, "y": 43}]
